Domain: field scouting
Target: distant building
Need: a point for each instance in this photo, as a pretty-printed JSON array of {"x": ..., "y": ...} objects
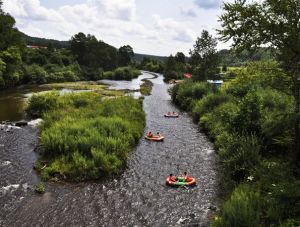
[
  {"x": 218, "y": 83},
  {"x": 36, "y": 47}
]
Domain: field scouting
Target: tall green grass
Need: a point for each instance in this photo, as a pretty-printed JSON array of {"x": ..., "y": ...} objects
[{"x": 85, "y": 136}]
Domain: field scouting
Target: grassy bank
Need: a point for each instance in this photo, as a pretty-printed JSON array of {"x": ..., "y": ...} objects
[
  {"x": 250, "y": 123},
  {"x": 84, "y": 135}
]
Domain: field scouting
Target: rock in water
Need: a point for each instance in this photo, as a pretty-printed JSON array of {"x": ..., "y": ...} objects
[{"x": 21, "y": 123}]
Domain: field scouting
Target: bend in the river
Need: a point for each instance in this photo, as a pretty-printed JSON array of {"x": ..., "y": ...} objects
[{"x": 139, "y": 197}]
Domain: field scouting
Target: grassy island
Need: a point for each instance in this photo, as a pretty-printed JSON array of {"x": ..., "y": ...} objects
[{"x": 85, "y": 136}]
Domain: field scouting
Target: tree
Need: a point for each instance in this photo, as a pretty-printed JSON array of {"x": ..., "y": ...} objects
[
  {"x": 125, "y": 53},
  {"x": 9, "y": 36},
  {"x": 1, "y": 6},
  {"x": 92, "y": 54},
  {"x": 204, "y": 58},
  {"x": 268, "y": 22},
  {"x": 180, "y": 57}
]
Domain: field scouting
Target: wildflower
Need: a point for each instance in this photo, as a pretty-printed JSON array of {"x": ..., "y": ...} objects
[{"x": 250, "y": 178}]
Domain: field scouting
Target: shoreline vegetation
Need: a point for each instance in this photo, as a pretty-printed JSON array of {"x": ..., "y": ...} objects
[
  {"x": 250, "y": 122},
  {"x": 85, "y": 136},
  {"x": 146, "y": 87}
]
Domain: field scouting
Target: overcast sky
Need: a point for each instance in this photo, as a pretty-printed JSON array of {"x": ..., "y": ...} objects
[{"x": 158, "y": 27}]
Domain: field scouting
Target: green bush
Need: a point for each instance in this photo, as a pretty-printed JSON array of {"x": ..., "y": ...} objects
[
  {"x": 248, "y": 119},
  {"x": 243, "y": 209},
  {"x": 183, "y": 94},
  {"x": 283, "y": 201},
  {"x": 208, "y": 103},
  {"x": 40, "y": 188},
  {"x": 122, "y": 73},
  {"x": 239, "y": 155},
  {"x": 219, "y": 119},
  {"x": 39, "y": 104}
]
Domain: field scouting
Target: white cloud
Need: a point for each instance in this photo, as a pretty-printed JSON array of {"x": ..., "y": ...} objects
[
  {"x": 178, "y": 30},
  {"x": 208, "y": 4},
  {"x": 118, "y": 9},
  {"x": 188, "y": 12},
  {"x": 30, "y": 9},
  {"x": 99, "y": 17},
  {"x": 118, "y": 22}
]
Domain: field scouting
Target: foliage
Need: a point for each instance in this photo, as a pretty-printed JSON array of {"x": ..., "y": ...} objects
[
  {"x": 86, "y": 137},
  {"x": 91, "y": 53},
  {"x": 207, "y": 104},
  {"x": 250, "y": 120},
  {"x": 151, "y": 65},
  {"x": 39, "y": 104},
  {"x": 122, "y": 73},
  {"x": 125, "y": 53},
  {"x": 9, "y": 35},
  {"x": 244, "y": 58},
  {"x": 239, "y": 156},
  {"x": 183, "y": 93},
  {"x": 175, "y": 67},
  {"x": 146, "y": 87},
  {"x": 272, "y": 23},
  {"x": 40, "y": 188},
  {"x": 204, "y": 58},
  {"x": 242, "y": 209}
]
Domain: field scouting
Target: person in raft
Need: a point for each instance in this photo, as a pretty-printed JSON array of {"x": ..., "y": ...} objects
[
  {"x": 186, "y": 177},
  {"x": 149, "y": 134},
  {"x": 158, "y": 134},
  {"x": 172, "y": 178}
]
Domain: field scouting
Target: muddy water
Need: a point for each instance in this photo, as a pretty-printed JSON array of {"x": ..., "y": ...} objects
[{"x": 139, "y": 197}]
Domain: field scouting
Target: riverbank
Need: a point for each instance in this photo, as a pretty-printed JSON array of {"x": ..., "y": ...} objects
[{"x": 250, "y": 125}]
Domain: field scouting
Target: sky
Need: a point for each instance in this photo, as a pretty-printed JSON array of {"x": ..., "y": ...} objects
[{"x": 156, "y": 27}]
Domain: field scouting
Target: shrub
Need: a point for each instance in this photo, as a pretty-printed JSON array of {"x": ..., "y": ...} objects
[
  {"x": 208, "y": 103},
  {"x": 238, "y": 155},
  {"x": 122, "y": 73},
  {"x": 283, "y": 201},
  {"x": 39, "y": 104},
  {"x": 243, "y": 209},
  {"x": 248, "y": 119},
  {"x": 40, "y": 188},
  {"x": 219, "y": 119},
  {"x": 184, "y": 93}
]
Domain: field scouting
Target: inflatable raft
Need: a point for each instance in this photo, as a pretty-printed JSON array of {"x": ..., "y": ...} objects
[
  {"x": 181, "y": 181},
  {"x": 172, "y": 115},
  {"x": 155, "y": 138}
]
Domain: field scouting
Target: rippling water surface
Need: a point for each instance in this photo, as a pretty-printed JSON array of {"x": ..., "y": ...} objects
[{"x": 139, "y": 197}]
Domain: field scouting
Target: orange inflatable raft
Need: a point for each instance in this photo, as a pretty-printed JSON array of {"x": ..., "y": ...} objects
[
  {"x": 155, "y": 138},
  {"x": 181, "y": 181},
  {"x": 174, "y": 115}
]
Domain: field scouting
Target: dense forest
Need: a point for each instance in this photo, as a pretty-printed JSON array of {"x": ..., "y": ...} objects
[{"x": 28, "y": 60}]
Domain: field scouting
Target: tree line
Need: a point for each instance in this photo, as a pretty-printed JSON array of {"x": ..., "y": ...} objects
[{"x": 83, "y": 57}]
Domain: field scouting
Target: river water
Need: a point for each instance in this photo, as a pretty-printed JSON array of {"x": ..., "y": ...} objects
[{"x": 138, "y": 197}]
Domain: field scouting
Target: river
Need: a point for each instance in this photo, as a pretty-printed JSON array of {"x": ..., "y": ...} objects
[{"x": 138, "y": 197}]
